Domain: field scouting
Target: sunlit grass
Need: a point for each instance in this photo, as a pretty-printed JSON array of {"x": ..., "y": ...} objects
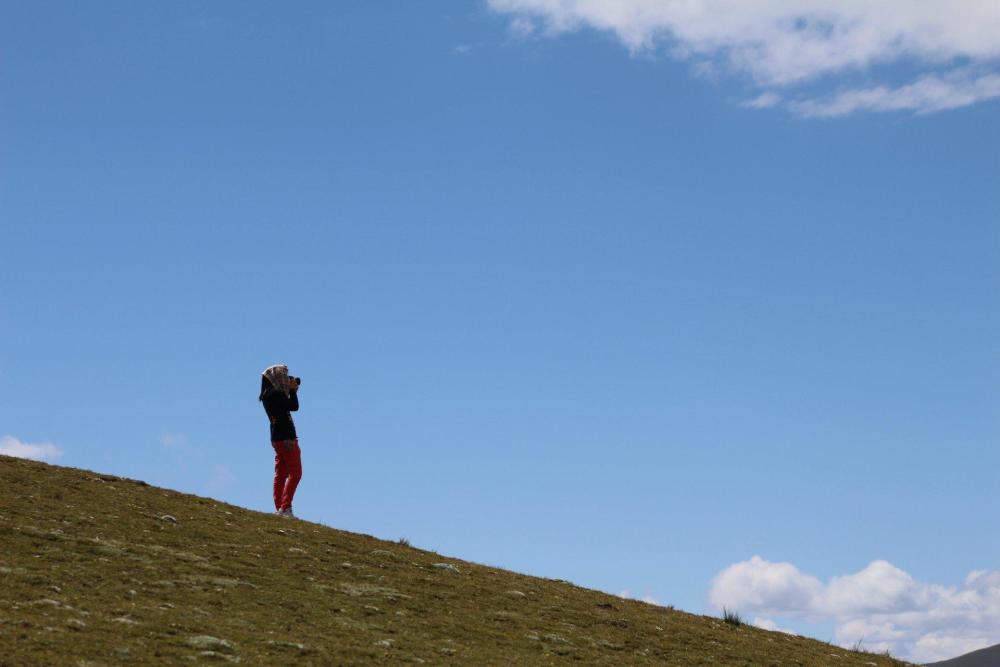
[{"x": 99, "y": 570}]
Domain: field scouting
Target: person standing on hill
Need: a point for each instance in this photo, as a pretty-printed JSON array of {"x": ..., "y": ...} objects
[{"x": 279, "y": 392}]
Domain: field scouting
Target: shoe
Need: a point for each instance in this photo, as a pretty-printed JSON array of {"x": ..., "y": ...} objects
[{"x": 286, "y": 512}]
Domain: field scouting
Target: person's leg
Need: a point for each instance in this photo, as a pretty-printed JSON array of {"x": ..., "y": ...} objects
[
  {"x": 280, "y": 472},
  {"x": 292, "y": 457}
]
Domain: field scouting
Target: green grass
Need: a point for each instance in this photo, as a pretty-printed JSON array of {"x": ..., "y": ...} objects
[{"x": 99, "y": 570}]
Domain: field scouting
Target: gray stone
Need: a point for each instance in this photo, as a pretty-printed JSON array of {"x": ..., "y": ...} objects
[
  {"x": 292, "y": 645},
  {"x": 46, "y": 602},
  {"x": 209, "y": 643},
  {"x": 215, "y": 655}
]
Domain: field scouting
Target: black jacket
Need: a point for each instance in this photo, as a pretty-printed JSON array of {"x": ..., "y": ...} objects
[{"x": 279, "y": 408}]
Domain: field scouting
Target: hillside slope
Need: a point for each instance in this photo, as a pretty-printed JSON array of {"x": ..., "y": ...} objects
[
  {"x": 101, "y": 570},
  {"x": 986, "y": 657}
]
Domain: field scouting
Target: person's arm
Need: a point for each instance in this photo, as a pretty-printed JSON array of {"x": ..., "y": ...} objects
[
  {"x": 277, "y": 403},
  {"x": 293, "y": 400}
]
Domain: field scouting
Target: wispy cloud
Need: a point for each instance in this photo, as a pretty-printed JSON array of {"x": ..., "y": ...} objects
[
  {"x": 179, "y": 444},
  {"x": 522, "y": 26},
  {"x": 881, "y": 604},
  {"x": 466, "y": 49},
  {"x": 784, "y": 44},
  {"x": 173, "y": 441},
  {"x": 763, "y": 101},
  {"x": 928, "y": 94},
  {"x": 42, "y": 451}
]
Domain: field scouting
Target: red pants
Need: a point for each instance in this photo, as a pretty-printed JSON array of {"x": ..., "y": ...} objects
[{"x": 287, "y": 471}]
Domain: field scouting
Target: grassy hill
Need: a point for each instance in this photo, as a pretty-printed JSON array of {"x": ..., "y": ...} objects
[{"x": 98, "y": 570}]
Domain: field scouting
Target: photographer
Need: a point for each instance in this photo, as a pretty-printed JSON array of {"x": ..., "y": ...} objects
[{"x": 279, "y": 393}]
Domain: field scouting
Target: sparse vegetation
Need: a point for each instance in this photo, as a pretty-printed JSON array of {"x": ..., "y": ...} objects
[
  {"x": 732, "y": 618},
  {"x": 860, "y": 648},
  {"x": 100, "y": 570}
]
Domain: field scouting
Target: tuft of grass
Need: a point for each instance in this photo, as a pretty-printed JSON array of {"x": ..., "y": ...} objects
[
  {"x": 732, "y": 618},
  {"x": 403, "y": 542},
  {"x": 860, "y": 649}
]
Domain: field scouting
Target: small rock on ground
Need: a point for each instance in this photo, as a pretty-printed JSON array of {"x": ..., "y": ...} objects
[
  {"x": 209, "y": 643},
  {"x": 292, "y": 645},
  {"x": 215, "y": 655},
  {"x": 447, "y": 567}
]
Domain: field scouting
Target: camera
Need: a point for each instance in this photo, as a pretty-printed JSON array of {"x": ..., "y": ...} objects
[{"x": 296, "y": 380}]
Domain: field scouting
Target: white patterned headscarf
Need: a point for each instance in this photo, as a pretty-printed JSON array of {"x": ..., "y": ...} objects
[{"x": 277, "y": 375}]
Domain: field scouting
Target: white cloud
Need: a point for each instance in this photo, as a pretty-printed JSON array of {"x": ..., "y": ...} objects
[
  {"x": 927, "y": 94},
  {"x": 522, "y": 26},
  {"x": 784, "y": 43},
  {"x": 763, "y": 101},
  {"x": 647, "y": 597},
  {"x": 879, "y": 587},
  {"x": 768, "y": 624},
  {"x": 882, "y": 605},
  {"x": 43, "y": 451},
  {"x": 774, "y": 589}
]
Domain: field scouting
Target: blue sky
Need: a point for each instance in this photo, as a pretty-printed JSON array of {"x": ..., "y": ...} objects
[{"x": 574, "y": 295}]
